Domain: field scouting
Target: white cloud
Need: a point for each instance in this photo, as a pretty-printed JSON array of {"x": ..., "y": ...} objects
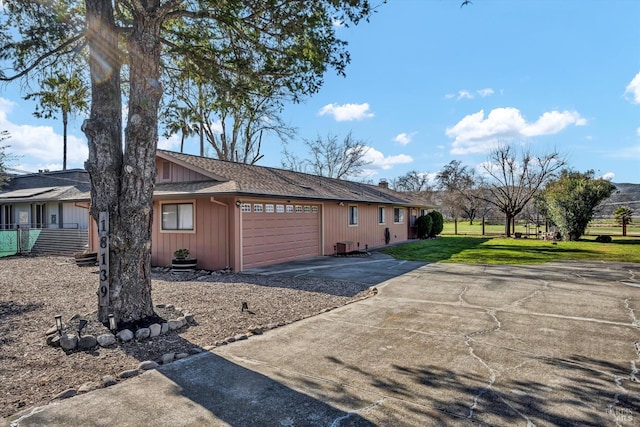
[
  {"x": 633, "y": 90},
  {"x": 638, "y": 131},
  {"x": 347, "y": 112},
  {"x": 40, "y": 147},
  {"x": 553, "y": 122},
  {"x": 477, "y": 134},
  {"x": 337, "y": 23},
  {"x": 172, "y": 143},
  {"x": 485, "y": 92},
  {"x": 465, "y": 94},
  {"x": 608, "y": 176},
  {"x": 404, "y": 138},
  {"x": 380, "y": 161}
]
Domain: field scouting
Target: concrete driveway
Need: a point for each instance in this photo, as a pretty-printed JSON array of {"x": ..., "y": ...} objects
[
  {"x": 444, "y": 344},
  {"x": 371, "y": 269}
]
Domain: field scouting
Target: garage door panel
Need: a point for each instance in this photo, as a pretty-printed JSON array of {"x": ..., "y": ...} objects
[{"x": 270, "y": 238}]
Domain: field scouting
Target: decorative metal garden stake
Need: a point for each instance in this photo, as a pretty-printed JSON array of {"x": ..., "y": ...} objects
[{"x": 81, "y": 326}]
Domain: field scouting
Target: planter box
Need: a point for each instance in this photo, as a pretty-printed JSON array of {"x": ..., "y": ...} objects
[
  {"x": 86, "y": 259},
  {"x": 184, "y": 264}
]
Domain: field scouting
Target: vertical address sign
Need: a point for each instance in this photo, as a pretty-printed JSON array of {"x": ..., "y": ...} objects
[{"x": 103, "y": 259}]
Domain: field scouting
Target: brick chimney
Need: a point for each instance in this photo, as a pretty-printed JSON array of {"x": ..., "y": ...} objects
[{"x": 383, "y": 183}]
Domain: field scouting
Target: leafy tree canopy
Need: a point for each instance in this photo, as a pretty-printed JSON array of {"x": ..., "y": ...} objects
[
  {"x": 569, "y": 201},
  {"x": 130, "y": 45}
]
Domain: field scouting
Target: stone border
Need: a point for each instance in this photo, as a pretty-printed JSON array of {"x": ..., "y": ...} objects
[
  {"x": 165, "y": 359},
  {"x": 71, "y": 342}
]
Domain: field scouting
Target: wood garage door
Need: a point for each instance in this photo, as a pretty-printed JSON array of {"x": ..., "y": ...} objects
[{"x": 274, "y": 233}]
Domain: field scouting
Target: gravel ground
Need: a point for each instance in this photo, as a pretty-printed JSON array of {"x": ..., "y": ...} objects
[{"x": 34, "y": 289}]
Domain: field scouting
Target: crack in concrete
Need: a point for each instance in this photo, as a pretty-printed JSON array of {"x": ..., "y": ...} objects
[
  {"x": 518, "y": 302},
  {"x": 632, "y": 313},
  {"x": 338, "y": 420},
  {"x": 493, "y": 374},
  {"x": 529, "y": 313},
  {"x": 461, "y": 295}
]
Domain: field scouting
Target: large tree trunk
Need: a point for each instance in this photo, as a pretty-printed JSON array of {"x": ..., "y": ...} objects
[
  {"x": 507, "y": 224},
  {"x": 122, "y": 183}
]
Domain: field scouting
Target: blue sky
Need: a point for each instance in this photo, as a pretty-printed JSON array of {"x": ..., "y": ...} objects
[{"x": 432, "y": 82}]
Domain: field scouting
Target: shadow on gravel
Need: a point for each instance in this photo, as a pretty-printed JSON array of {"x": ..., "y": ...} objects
[{"x": 8, "y": 311}]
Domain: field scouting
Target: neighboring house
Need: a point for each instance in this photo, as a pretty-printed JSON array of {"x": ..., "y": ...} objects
[
  {"x": 243, "y": 216},
  {"x": 46, "y": 212}
]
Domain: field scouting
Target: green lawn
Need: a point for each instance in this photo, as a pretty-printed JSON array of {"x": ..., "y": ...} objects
[{"x": 487, "y": 250}]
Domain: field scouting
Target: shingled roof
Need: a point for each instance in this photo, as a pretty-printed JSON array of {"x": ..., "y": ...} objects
[
  {"x": 242, "y": 179},
  {"x": 66, "y": 186}
]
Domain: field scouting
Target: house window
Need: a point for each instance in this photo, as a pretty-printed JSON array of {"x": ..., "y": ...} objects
[
  {"x": 177, "y": 216},
  {"x": 279, "y": 208},
  {"x": 353, "y": 215},
  {"x": 382, "y": 218},
  {"x": 257, "y": 207},
  {"x": 268, "y": 208},
  {"x": 398, "y": 215},
  {"x": 246, "y": 207},
  {"x": 314, "y": 209},
  {"x": 289, "y": 208},
  {"x": 307, "y": 209},
  {"x": 298, "y": 209}
]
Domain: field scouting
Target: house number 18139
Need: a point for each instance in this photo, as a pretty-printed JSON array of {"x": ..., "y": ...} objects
[{"x": 103, "y": 259}]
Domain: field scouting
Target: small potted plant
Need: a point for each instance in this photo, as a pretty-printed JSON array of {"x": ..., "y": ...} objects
[{"x": 182, "y": 262}]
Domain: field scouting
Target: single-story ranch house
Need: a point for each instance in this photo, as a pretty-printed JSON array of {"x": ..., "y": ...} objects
[
  {"x": 230, "y": 215},
  {"x": 46, "y": 212}
]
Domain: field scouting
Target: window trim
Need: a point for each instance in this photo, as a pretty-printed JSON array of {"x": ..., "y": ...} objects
[
  {"x": 381, "y": 209},
  {"x": 352, "y": 219},
  {"x": 192, "y": 202},
  {"x": 400, "y": 220}
]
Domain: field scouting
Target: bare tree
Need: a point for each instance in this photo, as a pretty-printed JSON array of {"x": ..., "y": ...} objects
[
  {"x": 514, "y": 180},
  {"x": 330, "y": 158},
  {"x": 413, "y": 182}
]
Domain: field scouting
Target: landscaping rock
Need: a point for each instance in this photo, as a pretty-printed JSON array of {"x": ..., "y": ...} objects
[
  {"x": 167, "y": 358},
  {"x": 87, "y": 342},
  {"x": 70, "y": 392},
  {"x": 109, "y": 380},
  {"x": 241, "y": 337},
  {"x": 142, "y": 333},
  {"x": 88, "y": 386},
  {"x": 181, "y": 355},
  {"x": 175, "y": 324},
  {"x": 106, "y": 340},
  {"x": 125, "y": 335},
  {"x": 68, "y": 342},
  {"x": 53, "y": 340},
  {"x": 154, "y": 330},
  {"x": 51, "y": 330},
  {"x": 147, "y": 365},
  {"x": 128, "y": 374},
  {"x": 164, "y": 328}
]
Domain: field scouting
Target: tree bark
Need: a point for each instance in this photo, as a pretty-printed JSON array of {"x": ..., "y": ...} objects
[{"x": 122, "y": 182}]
